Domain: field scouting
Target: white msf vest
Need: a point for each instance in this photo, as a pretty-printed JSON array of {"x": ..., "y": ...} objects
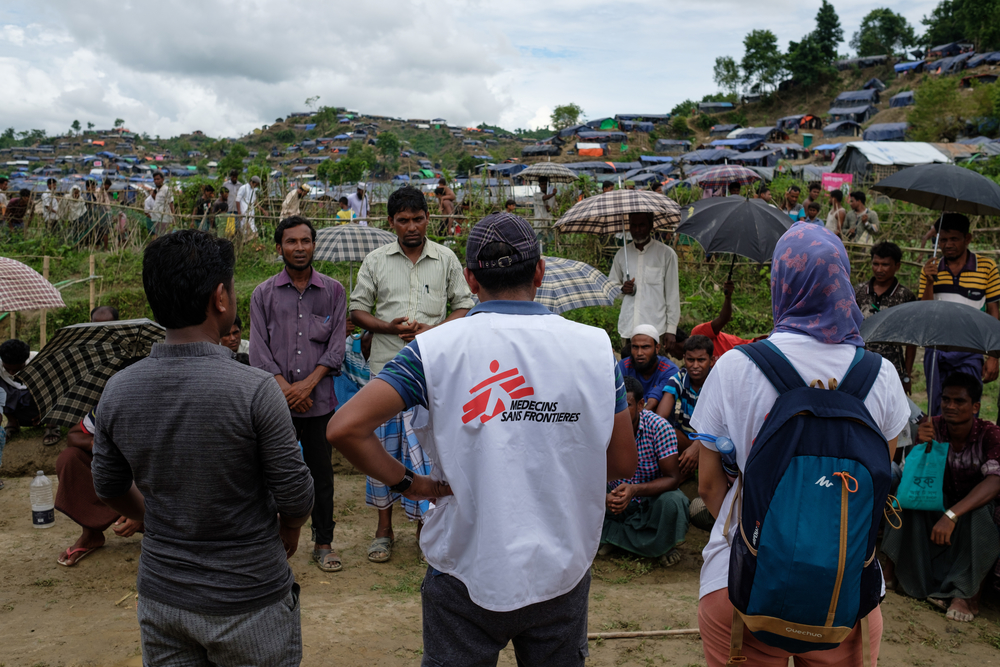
[{"x": 521, "y": 409}]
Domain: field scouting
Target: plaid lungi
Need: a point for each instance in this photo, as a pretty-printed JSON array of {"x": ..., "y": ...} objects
[{"x": 401, "y": 443}]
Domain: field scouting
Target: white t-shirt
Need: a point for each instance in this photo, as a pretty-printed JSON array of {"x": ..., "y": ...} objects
[
  {"x": 359, "y": 205},
  {"x": 737, "y": 397}
]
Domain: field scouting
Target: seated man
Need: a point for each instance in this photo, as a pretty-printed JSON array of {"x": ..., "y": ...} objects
[
  {"x": 234, "y": 339},
  {"x": 680, "y": 395},
  {"x": 648, "y": 514},
  {"x": 20, "y": 407},
  {"x": 645, "y": 365},
  {"x": 946, "y": 557},
  {"x": 722, "y": 342},
  {"x": 76, "y": 498}
]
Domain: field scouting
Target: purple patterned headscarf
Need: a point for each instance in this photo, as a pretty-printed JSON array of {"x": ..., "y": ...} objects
[{"x": 811, "y": 290}]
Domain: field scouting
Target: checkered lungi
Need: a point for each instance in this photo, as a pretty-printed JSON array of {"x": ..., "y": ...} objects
[{"x": 401, "y": 443}]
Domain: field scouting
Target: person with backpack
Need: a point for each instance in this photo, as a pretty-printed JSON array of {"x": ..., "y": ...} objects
[{"x": 798, "y": 432}]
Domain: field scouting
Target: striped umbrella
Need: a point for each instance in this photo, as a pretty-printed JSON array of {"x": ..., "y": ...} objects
[
  {"x": 608, "y": 213},
  {"x": 23, "y": 288},
  {"x": 724, "y": 174},
  {"x": 569, "y": 284},
  {"x": 68, "y": 375},
  {"x": 350, "y": 242},
  {"x": 556, "y": 173}
]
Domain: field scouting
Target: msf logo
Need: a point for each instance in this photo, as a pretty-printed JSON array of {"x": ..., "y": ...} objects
[{"x": 510, "y": 382}]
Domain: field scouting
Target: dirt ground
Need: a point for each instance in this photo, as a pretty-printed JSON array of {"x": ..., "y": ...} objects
[{"x": 370, "y": 614}]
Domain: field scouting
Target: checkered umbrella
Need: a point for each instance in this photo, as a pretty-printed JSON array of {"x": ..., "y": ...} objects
[
  {"x": 23, "y": 288},
  {"x": 724, "y": 174},
  {"x": 608, "y": 213},
  {"x": 570, "y": 284},
  {"x": 556, "y": 173},
  {"x": 68, "y": 375},
  {"x": 350, "y": 242}
]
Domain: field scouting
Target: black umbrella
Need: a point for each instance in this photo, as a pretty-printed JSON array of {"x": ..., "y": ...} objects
[
  {"x": 942, "y": 324},
  {"x": 746, "y": 227},
  {"x": 943, "y": 187}
]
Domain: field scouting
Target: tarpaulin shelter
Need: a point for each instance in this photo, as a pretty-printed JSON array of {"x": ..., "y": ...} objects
[
  {"x": 671, "y": 145},
  {"x": 655, "y": 158},
  {"x": 715, "y": 107},
  {"x": 945, "y": 50},
  {"x": 858, "y": 114},
  {"x": 860, "y": 157},
  {"x": 598, "y": 167},
  {"x": 874, "y": 83},
  {"x": 860, "y": 63},
  {"x": 903, "y": 99},
  {"x": 988, "y": 58},
  {"x": 763, "y": 158},
  {"x": 655, "y": 118},
  {"x": 789, "y": 122},
  {"x": 949, "y": 65},
  {"x": 886, "y": 132},
  {"x": 603, "y": 124},
  {"x": 763, "y": 133},
  {"x": 843, "y": 128},
  {"x": 723, "y": 130},
  {"x": 510, "y": 169},
  {"x": 708, "y": 155},
  {"x": 602, "y": 136},
  {"x": 973, "y": 141},
  {"x": 957, "y": 151},
  {"x": 540, "y": 150},
  {"x": 739, "y": 143},
  {"x": 571, "y": 130},
  {"x": 591, "y": 150},
  {"x": 984, "y": 78},
  {"x": 636, "y": 126},
  {"x": 915, "y": 66},
  {"x": 826, "y": 147},
  {"x": 850, "y": 98}
]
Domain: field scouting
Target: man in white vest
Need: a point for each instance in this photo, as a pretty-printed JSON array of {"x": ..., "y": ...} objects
[{"x": 523, "y": 439}]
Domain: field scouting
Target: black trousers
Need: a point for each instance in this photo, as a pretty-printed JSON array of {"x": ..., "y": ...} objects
[{"x": 318, "y": 455}]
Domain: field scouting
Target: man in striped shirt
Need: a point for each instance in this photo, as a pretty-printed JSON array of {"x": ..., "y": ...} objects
[{"x": 960, "y": 276}]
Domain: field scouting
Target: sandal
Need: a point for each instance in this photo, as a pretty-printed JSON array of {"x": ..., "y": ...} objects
[
  {"x": 328, "y": 560},
  {"x": 65, "y": 561},
  {"x": 380, "y": 545},
  {"x": 52, "y": 436},
  {"x": 671, "y": 558},
  {"x": 938, "y": 603}
]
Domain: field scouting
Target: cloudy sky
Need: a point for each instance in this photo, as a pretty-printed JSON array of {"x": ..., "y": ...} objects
[{"x": 227, "y": 67}]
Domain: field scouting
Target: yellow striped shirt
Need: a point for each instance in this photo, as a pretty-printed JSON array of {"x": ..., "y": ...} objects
[{"x": 977, "y": 284}]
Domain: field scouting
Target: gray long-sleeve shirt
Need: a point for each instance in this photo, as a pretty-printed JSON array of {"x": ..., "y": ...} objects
[{"x": 209, "y": 443}]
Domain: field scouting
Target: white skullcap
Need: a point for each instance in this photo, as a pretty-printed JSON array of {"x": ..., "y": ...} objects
[{"x": 647, "y": 330}]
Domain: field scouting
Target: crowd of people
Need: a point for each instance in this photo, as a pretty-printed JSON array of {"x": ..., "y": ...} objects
[{"x": 461, "y": 407}]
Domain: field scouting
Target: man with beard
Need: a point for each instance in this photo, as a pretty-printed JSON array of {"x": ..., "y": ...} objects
[
  {"x": 645, "y": 365},
  {"x": 961, "y": 276},
  {"x": 297, "y": 320},
  {"x": 404, "y": 288},
  {"x": 646, "y": 270}
]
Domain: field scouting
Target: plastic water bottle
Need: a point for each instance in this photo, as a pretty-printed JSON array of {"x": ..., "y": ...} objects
[
  {"x": 43, "y": 509},
  {"x": 726, "y": 449}
]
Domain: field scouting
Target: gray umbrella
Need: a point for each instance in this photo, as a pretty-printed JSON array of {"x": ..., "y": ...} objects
[
  {"x": 943, "y": 187},
  {"x": 941, "y": 324}
]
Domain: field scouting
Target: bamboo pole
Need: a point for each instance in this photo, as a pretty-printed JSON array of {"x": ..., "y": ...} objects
[
  {"x": 93, "y": 296},
  {"x": 643, "y": 633},
  {"x": 13, "y": 324},
  {"x": 44, "y": 317}
]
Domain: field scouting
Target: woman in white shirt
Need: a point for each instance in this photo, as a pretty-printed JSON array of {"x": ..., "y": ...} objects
[{"x": 816, "y": 321}]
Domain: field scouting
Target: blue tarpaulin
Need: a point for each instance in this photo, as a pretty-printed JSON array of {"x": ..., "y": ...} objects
[
  {"x": 846, "y": 98},
  {"x": 708, "y": 155},
  {"x": 903, "y": 99},
  {"x": 886, "y": 132},
  {"x": 597, "y": 137},
  {"x": 908, "y": 66},
  {"x": 844, "y": 128},
  {"x": 655, "y": 158},
  {"x": 858, "y": 114},
  {"x": 738, "y": 143},
  {"x": 826, "y": 147}
]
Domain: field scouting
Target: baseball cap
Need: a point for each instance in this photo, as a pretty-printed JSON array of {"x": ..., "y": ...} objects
[
  {"x": 255, "y": 179},
  {"x": 501, "y": 228}
]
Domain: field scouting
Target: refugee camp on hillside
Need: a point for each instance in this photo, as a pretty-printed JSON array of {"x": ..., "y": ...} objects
[{"x": 501, "y": 336}]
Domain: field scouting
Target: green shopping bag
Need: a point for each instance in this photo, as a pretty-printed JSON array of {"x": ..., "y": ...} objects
[{"x": 922, "y": 486}]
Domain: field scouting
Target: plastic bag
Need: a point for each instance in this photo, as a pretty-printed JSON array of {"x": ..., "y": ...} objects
[{"x": 922, "y": 486}]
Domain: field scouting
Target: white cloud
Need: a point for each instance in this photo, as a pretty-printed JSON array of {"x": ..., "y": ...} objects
[{"x": 226, "y": 67}]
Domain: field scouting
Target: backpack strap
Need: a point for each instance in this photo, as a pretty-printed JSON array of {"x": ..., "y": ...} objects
[
  {"x": 861, "y": 374},
  {"x": 774, "y": 365},
  {"x": 736, "y": 656}
]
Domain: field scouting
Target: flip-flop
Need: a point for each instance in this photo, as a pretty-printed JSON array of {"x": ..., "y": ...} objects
[
  {"x": 671, "y": 558},
  {"x": 938, "y": 603},
  {"x": 327, "y": 560},
  {"x": 381, "y": 545},
  {"x": 62, "y": 560},
  {"x": 51, "y": 437}
]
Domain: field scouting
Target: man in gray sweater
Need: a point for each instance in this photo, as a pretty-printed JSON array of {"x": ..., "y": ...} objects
[{"x": 202, "y": 450}]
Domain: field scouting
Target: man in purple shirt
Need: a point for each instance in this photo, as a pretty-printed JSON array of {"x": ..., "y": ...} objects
[{"x": 297, "y": 321}]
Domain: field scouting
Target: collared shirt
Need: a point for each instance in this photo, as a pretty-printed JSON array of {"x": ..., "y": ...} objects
[
  {"x": 652, "y": 386},
  {"x": 161, "y": 204},
  {"x": 50, "y": 206},
  {"x": 406, "y": 370},
  {"x": 292, "y": 333},
  {"x": 391, "y": 286},
  {"x": 796, "y": 213},
  {"x": 360, "y": 205},
  {"x": 685, "y": 399},
  {"x": 852, "y": 222},
  {"x": 210, "y": 445},
  {"x": 233, "y": 189},
  {"x": 870, "y": 303},
  {"x": 977, "y": 284},
  {"x": 290, "y": 206},
  {"x": 657, "y": 297},
  {"x": 654, "y": 440}
]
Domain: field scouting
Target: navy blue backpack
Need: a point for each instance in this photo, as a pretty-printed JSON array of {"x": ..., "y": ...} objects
[{"x": 802, "y": 569}]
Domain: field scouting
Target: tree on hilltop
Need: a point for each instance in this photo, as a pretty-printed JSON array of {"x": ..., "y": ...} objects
[
  {"x": 883, "y": 32},
  {"x": 828, "y": 33},
  {"x": 565, "y": 115},
  {"x": 763, "y": 64},
  {"x": 727, "y": 74}
]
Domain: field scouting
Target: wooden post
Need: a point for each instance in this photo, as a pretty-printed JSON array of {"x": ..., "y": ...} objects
[
  {"x": 44, "y": 317},
  {"x": 13, "y": 324},
  {"x": 93, "y": 296}
]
